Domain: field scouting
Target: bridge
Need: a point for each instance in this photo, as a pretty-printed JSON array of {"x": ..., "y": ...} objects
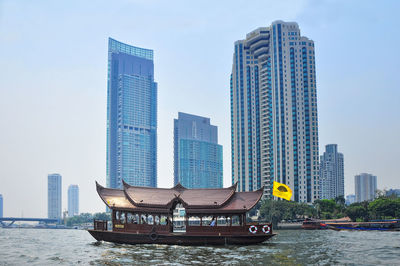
[{"x": 12, "y": 220}]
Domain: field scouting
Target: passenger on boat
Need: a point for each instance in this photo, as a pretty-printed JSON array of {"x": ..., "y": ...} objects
[{"x": 212, "y": 223}]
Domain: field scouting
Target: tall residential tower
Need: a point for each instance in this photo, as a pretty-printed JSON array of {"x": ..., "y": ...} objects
[
  {"x": 365, "y": 187},
  {"x": 131, "y": 116},
  {"x": 331, "y": 173},
  {"x": 197, "y": 155},
  {"x": 1, "y": 206},
  {"x": 73, "y": 200},
  {"x": 54, "y": 196},
  {"x": 274, "y": 112}
]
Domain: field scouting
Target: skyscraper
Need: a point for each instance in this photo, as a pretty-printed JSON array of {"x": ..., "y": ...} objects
[
  {"x": 331, "y": 173},
  {"x": 1, "y": 206},
  {"x": 365, "y": 187},
  {"x": 131, "y": 116},
  {"x": 274, "y": 112},
  {"x": 197, "y": 155},
  {"x": 54, "y": 196},
  {"x": 73, "y": 200}
]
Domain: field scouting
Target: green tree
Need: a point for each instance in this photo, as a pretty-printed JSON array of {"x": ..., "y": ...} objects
[
  {"x": 328, "y": 209},
  {"x": 87, "y": 218},
  {"x": 358, "y": 211},
  {"x": 340, "y": 203},
  {"x": 397, "y": 213},
  {"x": 105, "y": 216},
  {"x": 277, "y": 210},
  {"x": 271, "y": 211},
  {"x": 383, "y": 207},
  {"x": 327, "y": 205}
]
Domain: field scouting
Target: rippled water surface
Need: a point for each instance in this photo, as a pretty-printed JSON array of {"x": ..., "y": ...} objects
[{"x": 66, "y": 247}]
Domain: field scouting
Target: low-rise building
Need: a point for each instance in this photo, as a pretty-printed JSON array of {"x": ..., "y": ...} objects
[{"x": 392, "y": 192}]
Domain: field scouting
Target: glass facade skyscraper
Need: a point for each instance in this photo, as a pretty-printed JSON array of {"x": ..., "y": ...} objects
[
  {"x": 54, "y": 196},
  {"x": 197, "y": 154},
  {"x": 73, "y": 200},
  {"x": 331, "y": 173},
  {"x": 131, "y": 116},
  {"x": 274, "y": 120}
]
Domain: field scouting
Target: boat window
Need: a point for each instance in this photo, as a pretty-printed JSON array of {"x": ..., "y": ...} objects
[
  {"x": 207, "y": 220},
  {"x": 235, "y": 220},
  {"x": 143, "y": 219},
  {"x": 150, "y": 219},
  {"x": 117, "y": 214},
  {"x": 163, "y": 220},
  {"x": 157, "y": 219},
  {"x": 222, "y": 221},
  {"x": 194, "y": 221},
  {"x": 122, "y": 218},
  {"x": 131, "y": 218}
]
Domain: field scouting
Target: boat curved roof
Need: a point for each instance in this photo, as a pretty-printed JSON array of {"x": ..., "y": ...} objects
[
  {"x": 114, "y": 197},
  {"x": 164, "y": 197},
  {"x": 240, "y": 202},
  {"x": 208, "y": 200}
]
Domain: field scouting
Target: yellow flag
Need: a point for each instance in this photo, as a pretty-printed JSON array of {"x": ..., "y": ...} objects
[{"x": 282, "y": 191}]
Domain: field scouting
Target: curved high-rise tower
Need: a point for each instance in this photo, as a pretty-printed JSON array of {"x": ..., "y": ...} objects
[{"x": 131, "y": 116}]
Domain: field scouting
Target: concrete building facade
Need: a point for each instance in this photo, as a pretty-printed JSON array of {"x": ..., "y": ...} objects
[
  {"x": 274, "y": 121},
  {"x": 331, "y": 173},
  {"x": 73, "y": 200},
  {"x": 54, "y": 196},
  {"x": 365, "y": 187},
  {"x": 197, "y": 154},
  {"x": 1, "y": 206}
]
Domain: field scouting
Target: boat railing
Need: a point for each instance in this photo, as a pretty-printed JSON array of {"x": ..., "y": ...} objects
[{"x": 101, "y": 225}]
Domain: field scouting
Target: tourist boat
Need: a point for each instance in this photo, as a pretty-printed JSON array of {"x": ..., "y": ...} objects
[
  {"x": 346, "y": 224},
  {"x": 144, "y": 215},
  {"x": 389, "y": 225},
  {"x": 311, "y": 224}
]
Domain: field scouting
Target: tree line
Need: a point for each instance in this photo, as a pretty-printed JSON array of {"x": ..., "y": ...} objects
[
  {"x": 84, "y": 218},
  {"x": 383, "y": 207}
]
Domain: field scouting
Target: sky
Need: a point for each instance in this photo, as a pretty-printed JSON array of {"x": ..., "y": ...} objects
[{"x": 53, "y": 84}]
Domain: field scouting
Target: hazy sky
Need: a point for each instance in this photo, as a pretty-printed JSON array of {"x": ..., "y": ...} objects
[{"x": 53, "y": 65}]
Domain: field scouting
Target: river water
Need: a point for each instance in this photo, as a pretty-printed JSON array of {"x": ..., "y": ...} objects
[{"x": 295, "y": 247}]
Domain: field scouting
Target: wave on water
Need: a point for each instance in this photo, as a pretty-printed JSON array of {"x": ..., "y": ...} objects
[{"x": 295, "y": 247}]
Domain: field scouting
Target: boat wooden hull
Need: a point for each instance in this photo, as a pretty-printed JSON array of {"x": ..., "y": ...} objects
[{"x": 178, "y": 239}]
